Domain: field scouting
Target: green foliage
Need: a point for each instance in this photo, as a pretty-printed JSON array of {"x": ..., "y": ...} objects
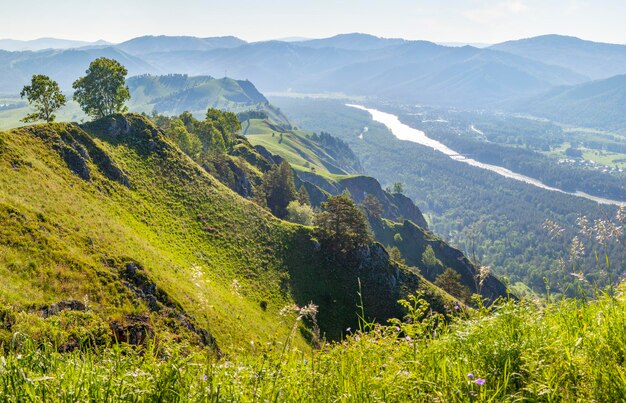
[
  {"x": 372, "y": 206},
  {"x": 527, "y": 351},
  {"x": 102, "y": 91},
  {"x": 397, "y": 188},
  {"x": 279, "y": 188},
  {"x": 300, "y": 213},
  {"x": 430, "y": 260},
  {"x": 46, "y": 97},
  {"x": 342, "y": 225},
  {"x": 303, "y": 195},
  {"x": 226, "y": 122},
  {"x": 190, "y": 144},
  {"x": 450, "y": 281},
  {"x": 395, "y": 254}
]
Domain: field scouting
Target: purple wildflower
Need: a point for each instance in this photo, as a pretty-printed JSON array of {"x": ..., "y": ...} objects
[
  {"x": 470, "y": 376},
  {"x": 479, "y": 381}
]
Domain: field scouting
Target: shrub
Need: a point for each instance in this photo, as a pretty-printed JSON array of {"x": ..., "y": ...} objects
[{"x": 300, "y": 213}]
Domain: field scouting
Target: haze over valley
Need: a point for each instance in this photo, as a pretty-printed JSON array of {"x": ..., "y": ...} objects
[{"x": 415, "y": 202}]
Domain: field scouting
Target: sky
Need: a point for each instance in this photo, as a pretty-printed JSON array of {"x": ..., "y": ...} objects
[{"x": 466, "y": 21}]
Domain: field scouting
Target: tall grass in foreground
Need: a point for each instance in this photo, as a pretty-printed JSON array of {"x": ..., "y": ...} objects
[{"x": 516, "y": 351}]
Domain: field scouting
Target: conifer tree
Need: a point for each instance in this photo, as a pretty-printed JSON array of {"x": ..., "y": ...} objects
[{"x": 342, "y": 225}]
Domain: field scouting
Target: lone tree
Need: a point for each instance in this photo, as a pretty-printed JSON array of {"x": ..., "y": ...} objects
[
  {"x": 372, "y": 206},
  {"x": 450, "y": 281},
  {"x": 103, "y": 91},
  {"x": 45, "y": 96},
  {"x": 342, "y": 225},
  {"x": 279, "y": 188}
]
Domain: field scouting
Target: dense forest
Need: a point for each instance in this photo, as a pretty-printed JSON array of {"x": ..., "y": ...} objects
[
  {"x": 523, "y": 146},
  {"x": 500, "y": 222}
]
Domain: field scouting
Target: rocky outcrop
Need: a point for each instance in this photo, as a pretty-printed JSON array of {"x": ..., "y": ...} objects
[
  {"x": 396, "y": 206},
  {"x": 412, "y": 241},
  {"x": 135, "y": 330},
  {"x": 57, "y": 307},
  {"x": 80, "y": 152},
  {"x": 136, "y": 279}
]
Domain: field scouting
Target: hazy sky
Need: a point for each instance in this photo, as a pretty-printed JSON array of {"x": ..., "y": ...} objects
[{"x": 442, "y": 21}]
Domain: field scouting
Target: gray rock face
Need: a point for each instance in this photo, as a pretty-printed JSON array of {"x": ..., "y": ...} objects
[
  {"x": 57, "y": 307},
  {"x": 136, "y": 279}
]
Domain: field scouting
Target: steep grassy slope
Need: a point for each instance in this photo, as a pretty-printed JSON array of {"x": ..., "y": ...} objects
[
  {"x": 126, "y": 223},
  {"x": 177, "y": 93},
  {"x": 325, "y": 170},
  {"x": 301, "y": 150},
  {"x": 401, "y": 224}
]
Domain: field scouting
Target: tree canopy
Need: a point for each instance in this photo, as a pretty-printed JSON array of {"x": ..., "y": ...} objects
[
  {"x": 45, "y": 96},
  {"x": 279, "y": 188},
  {"x": 103, "y": 90},
  {"x": 342, "y": 225}
]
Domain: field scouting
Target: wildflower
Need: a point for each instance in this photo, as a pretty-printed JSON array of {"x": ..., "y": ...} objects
[
  {"x": 605, "y": 230},
  {"x": 621, "y": 214},
  {"x": 236, "y": 287},
  {"x": 470, "y": 376},
  {"x": 348, "y": 329},
  {"x": 308, "y": 311},
  {"x": 578, "y": 276},
  {"x": 585, "y": 229},
  {"x": 481, "y": 276},
  {"x": 287, "y": 309},
  {"x": 553, "y": 228},
  {"x": 479, "y": 381},
  {"x": 577, "y": 249}
]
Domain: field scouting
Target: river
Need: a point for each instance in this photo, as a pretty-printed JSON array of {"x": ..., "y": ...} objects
[{"x": 405, "y": 132}]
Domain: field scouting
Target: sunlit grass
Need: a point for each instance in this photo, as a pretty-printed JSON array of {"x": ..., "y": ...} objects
[{"x": 516, "y": 351}]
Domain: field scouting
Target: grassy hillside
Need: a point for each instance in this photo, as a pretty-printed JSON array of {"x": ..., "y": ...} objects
[
  {"x": 560, "y": 351},
  {"x": 401, "y": 224},
  {"x": 169, "y": 94},
  {"x": 117, "y": 218},
  {"x": 177, "y": 93},
  {"x": 301, "y": 150}
]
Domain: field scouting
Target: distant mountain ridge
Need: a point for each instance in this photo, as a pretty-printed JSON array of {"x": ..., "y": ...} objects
[
  {"x": 414, "y": 71},
  {"x": 355, "y": 41},
  {"x": 355, "y": 64},
  {"x": 64, "y": 66},
  {"x": 13, "y": 45},
  {"x": 162, "y": 43},
  {"x": 599, "y": 104},
  {"x": 594, "y": 59}
]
